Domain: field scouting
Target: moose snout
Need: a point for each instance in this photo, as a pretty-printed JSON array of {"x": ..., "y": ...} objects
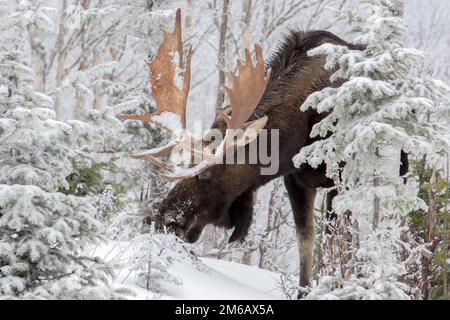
[
  {"x": 189, "y": 231},
  {"x": 168, "y": 223},
  {"x": 194, "y": 230},
  {"x": 186, "y": 228}
]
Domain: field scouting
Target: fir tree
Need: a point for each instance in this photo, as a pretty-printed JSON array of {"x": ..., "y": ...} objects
[
  {"x": 44, "y": 234},
  {"x": 378, "y": 111}
]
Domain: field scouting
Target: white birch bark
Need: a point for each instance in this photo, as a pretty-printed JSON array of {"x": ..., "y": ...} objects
[
  {"x": 389, "y": 155},
  {"x": 221, "y": 55},
  {"x": 61, "y": 55}
]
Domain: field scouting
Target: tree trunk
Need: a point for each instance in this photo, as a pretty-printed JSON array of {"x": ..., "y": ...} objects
[
  {"x": 247, "y": 9},
  {"x": 208, "y": 239},
  {"x": 39, "y": 57},
  {"x": 80, "y": 100},
  {"x": 376, "y": 206},
  {"x": 61, "y": 55},
  {"x": 390, "y": 157},
  {"x": 446, "y": 231},
  {"x": 432, "y": 202},
  {"x": 266, "y": 18},
  {"x": 271, "y": 209},
  {"x": 250, "y": 251},
  {"x": 221, "y": 55},
  {"x": 431, "y": 223},
  {"x": 97, "y": 92},
  {"x": 189, "y": 15}
]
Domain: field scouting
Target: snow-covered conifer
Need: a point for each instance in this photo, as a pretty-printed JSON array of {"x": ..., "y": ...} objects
[
  {"x": 380, "y": 110},
  {"x": 44, "y": 234},
  {"x": 152, "y": 256}
]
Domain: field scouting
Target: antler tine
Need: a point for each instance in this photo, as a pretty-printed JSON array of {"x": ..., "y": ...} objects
[
  {"x": 191, "y": 172},
  {"x": 260, "y": 61},
  {"x": 247, "y": 89},
  {"x": 160, "y": 163},
  {"x": 157, "y": 152}
]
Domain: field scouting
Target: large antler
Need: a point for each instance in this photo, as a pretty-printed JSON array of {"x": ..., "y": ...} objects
[
  {"x": 247, "y": 90},
  {"x": 170, "y": 84},
  {"x": 169, "y": 78},
  {"x": 170, "y": 81}
]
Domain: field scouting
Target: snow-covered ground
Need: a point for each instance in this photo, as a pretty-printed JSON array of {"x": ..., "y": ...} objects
[{"x": 202, "y": 279}]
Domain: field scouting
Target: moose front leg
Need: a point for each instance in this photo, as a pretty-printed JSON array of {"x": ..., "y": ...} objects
[
  {"x": 302, "y": 202},
  {"x": 241, "y": 214}
]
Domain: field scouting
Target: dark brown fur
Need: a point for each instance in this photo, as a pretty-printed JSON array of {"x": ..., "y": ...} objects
[{"x": 223, "y": 195}]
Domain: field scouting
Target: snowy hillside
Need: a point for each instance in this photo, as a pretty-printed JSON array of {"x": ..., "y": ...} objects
[
  {"x": 215, "y": 280},
  {"x": 208, "y": 279}
]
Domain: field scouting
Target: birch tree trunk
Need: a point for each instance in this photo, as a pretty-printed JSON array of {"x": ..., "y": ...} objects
[
  {"x": 446, "y": 230},
  {"x": 189, "y": 15},
  {"x": 97, "y": 92},
  {"x": 221, "y": 55},
  {"x": 266, "y": 18},
  {"x": 389, "y": 155},
  {"x": 38, "y": 55},
  {"x": 62, "y": 55},
  {"x": 80, "y": 100},
  {"x": 247, "y": 10}
]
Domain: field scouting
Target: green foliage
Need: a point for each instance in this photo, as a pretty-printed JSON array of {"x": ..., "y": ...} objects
[
  {"x": 89, "y": 180},
  {"x": 96, "y": 179},
  {"x": 419, "y": 224},
  {"x": 422, "y": 174}
]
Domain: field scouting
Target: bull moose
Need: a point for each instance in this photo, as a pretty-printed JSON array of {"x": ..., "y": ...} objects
[{"x": 265, "y": 96}]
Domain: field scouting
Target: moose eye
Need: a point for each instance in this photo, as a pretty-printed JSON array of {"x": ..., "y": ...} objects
[{"x": 205, "y": 175}]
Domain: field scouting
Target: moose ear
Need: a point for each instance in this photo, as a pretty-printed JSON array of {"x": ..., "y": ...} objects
[{"x": 251, "y": 131}]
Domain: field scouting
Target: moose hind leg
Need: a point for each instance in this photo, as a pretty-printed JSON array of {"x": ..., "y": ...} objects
[
  {"x": 302, "y": 202},
  {"x": 330, "y": 217}
]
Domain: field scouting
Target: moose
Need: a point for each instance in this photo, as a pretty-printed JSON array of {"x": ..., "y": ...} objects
[{"x": 266, "y": 96}]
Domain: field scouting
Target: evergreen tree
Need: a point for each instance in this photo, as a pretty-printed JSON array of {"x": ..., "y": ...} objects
[
  {"x": 153, "y": 254},
  {"x": 44, "y": 233},
  {"x": 378, "y": 111},
  {"x": 430, "y": 229}
]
